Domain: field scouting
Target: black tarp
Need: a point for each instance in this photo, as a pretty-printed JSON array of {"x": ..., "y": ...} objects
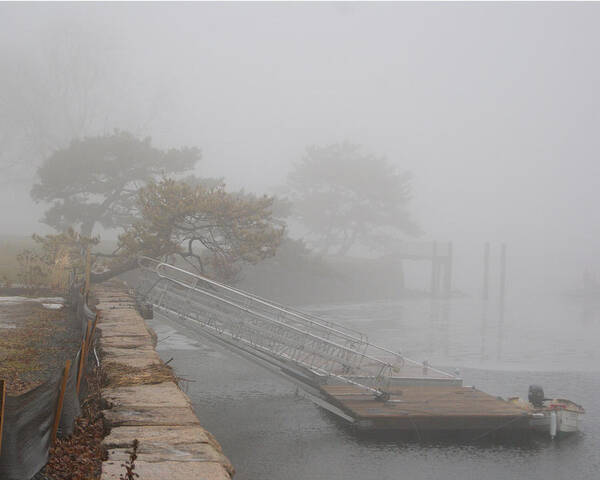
[{"x": 28, "y": 420}]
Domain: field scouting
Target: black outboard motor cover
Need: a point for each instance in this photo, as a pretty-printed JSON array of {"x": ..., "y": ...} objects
[{"x": 536, "y": 396}]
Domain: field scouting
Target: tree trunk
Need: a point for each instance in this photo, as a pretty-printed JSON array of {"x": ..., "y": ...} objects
[
  {"x": 87, "y": 228},
  {"x": 400, "y": 275},
  {"x": 118, "y": 270},
  {"x": 347, "y": 243}
]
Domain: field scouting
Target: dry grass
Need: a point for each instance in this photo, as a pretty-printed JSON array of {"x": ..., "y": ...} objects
[
  {"x": 29, "y": 352},
  {"x": 58, "y": 274},
  {"x": 119, "y": 375},
  {"x": 10, "y": 246}
]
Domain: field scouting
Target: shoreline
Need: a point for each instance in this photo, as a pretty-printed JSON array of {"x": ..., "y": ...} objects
[{"x": 143, "y": 402}]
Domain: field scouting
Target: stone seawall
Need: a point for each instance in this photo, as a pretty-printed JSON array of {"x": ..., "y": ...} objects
[{"x": 172, "y": 443}]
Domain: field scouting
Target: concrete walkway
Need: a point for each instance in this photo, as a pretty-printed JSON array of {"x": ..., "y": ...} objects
[{"x": 172, "y": 443}]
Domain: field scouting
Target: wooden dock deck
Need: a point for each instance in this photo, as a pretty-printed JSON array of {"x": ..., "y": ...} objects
[{"x": 431, "y": 408}]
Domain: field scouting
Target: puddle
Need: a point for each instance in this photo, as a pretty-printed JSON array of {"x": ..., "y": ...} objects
[
  {"x": 14, "y": 309},
  {"x": 52, "y": 306},
  {"x": 43, "y": 300}
]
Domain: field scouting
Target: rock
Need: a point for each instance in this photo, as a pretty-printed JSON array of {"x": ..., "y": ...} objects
[
  {"x": 123, "y": 330},
  {"x": 187, "y": 452},
  {"x": 112, "y": 353},
  {"x": 132, "y": 416},
  {"x": 172, "y": 444},
  {"x": 123, "y": 437},
  {"x": 168, "y": 470},
  {"x": 165, "y": 394},
  {"x": 135, "y": 361},
  {"x": 135, "y": 341}
]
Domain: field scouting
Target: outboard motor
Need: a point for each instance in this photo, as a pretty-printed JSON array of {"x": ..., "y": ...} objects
[{"x": 536, "y": 396}]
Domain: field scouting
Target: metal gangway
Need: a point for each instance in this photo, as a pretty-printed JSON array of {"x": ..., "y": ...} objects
[{"x": 320, "y": 350}]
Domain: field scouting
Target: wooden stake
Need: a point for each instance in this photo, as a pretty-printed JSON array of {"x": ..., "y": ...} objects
[
  {"x": 82, "y": 356},
  {"x": 486, "y": 270},
  {"x": 61, "y": 399},
  {"x": 88, "y": 267},
  {"x": 89, "y": 342},
  {"x": 2, "y": 403}
]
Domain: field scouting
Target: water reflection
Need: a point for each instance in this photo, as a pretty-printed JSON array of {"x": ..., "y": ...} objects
[
  {"x": 269, "y": 432},
  {"x": 590, "y": 310},
  {"x": 531, "y": 332}
]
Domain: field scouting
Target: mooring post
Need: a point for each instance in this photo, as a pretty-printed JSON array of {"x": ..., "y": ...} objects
[
  {"x": 502, "y": 280},
  {"x": 2, "y": 402},
  {"x": 61, "y": 399},
  {"x": 501, "y": 300},
  {"x": 448, "y": 271},
  {"x": 486, "y": 270},
  {"x": 434, "y": 270}
]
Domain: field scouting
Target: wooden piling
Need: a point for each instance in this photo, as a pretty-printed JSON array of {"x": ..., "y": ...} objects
[
  {"x": 501, "y": 300},
  {"x": 61, "y": 399},
  {"x": 2, "y": 403},
  {"x": 502, "y": 294},
  {"x": 486, "y": 270},
  {"x": 448, "y": 271},
  {"x": 434, "y": 270}
]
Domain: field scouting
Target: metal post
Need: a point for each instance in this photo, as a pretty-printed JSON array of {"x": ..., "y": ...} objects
[{"x": 486, "y": 270}]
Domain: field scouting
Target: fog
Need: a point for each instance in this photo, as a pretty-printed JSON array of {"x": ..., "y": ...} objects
[{"x": 494, "y": 108}]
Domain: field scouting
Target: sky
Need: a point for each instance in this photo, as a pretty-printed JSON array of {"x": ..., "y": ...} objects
[{"x": 493, "y": 107}]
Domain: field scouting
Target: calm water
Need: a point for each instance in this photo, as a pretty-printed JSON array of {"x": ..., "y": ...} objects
[{"x": 269, "y": 432}]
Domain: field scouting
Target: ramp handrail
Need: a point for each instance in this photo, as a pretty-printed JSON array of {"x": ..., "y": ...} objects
[
  {"x": 334, "y": 327},
  {"x": 381, "y": 364},
  {"x": 277, "y": 322},
  {"x": 354, "y": 345}
]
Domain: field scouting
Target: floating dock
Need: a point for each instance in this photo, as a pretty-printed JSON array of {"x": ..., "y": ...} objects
[
  {"x": 335, "y": 366},
  {"x": 428, "y": 408}
]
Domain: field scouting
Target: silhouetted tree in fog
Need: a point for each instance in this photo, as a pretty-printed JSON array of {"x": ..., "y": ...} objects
[
  {"x": 95, "y": 180},
  {"x": 345, "y": 197},
  {"x": 210, "y": 229},
  {"x": 69, "y": 83}
]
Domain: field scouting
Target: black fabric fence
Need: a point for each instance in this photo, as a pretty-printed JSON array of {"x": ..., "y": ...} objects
[{"x": 29, "y": 419}]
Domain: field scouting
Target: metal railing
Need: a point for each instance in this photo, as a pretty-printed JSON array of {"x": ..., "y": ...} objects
[{"x": 326, "y": 348}]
